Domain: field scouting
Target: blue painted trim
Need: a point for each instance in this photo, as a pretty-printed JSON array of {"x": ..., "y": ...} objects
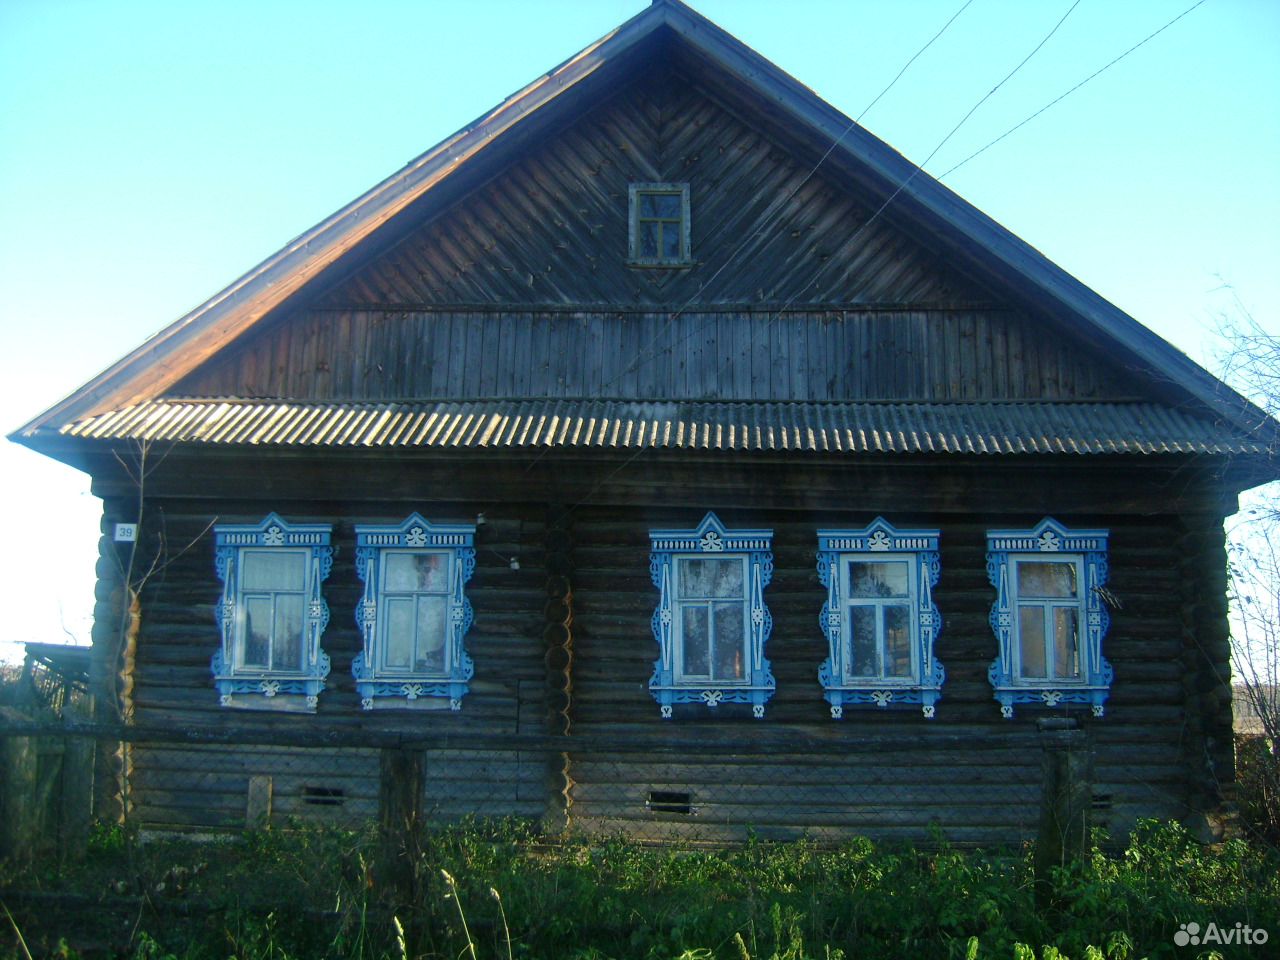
[
  {"x": 264, "y": 686},
  {"x": 880, "y": 538},
  {"x": 711, "y": 538},
  {"x": 458, "y": 541},
  {"x": 1047, "y": 539}
]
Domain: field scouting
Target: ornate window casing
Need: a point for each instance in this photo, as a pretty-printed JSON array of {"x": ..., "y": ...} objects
[
  {"x": 880, "y": 618},
  {"x": 1049, "y": 618},
  {"x": 711, "y": 623},
  {"x": 658, "y": 225},
  {"x": 414, "y": 614},
  {"x": 271, "y": 614}
]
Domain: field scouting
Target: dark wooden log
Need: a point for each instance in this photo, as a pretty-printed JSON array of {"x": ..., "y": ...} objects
[
  {"x": 1065, "y": 804},
  {"x": 400, "y": 819},
  {"x": 75, "y": 801}
]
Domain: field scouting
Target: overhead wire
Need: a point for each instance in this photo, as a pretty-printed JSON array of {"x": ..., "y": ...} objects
[
  {"x": 770, "y": 213},
  {"x": 919, "y": 168},
  {"x": 866, "y": 224},
  {"x": 775, "y": 208},
  {"x": 1061, "y": 97}
]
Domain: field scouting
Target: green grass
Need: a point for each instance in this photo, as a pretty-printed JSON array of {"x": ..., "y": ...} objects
[{"x": 496, "y": 890}]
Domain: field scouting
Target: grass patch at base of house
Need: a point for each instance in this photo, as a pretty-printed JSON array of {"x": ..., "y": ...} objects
[{"x": 497, "y": 890}]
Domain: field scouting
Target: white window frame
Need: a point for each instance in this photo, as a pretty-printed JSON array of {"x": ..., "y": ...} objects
[
  {"x": 710, "y": 540},
  {"x": 1049, "y": 541},
  {"x": 635, "y": 192},
  {"x": 251, "y": 686},
  {"x": 383, "y": 687},
  {"x": 680, "y": 602},
  {"x": 880, "y": 542}
]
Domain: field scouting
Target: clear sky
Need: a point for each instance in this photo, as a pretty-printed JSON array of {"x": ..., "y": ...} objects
[{"x": 151, "y": 152}]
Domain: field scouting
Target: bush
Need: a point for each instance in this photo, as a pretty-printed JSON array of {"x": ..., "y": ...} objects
[{"x": 1258, "y": 787}]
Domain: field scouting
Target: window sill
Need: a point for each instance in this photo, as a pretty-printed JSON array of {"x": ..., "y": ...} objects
[
  {"x": 274, "y": 703},
  {"x": 661, "y": 264}
]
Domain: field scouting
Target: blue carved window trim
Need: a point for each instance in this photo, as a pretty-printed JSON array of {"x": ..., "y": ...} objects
[
  {"x": 1085, "y": 552},
  {"x": 265, "y": 686},
  {"x": 838, "y": 550},
  {"x": 383, "y": 686},
  {"x": 710, "y": 540}
]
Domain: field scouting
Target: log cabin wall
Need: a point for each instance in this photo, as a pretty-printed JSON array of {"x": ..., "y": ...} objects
[
  {"x": 585, "y": 571},
  {"x": 185, "y": 787},
  {"x": 983, "y": 791}
]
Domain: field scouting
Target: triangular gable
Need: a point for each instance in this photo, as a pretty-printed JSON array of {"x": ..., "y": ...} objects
[
  {"x": 668, "y": 30},
  {"x": 552, "y": 228}
]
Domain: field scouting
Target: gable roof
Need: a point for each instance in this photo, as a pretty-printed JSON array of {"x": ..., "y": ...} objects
[{"x": 667, "y": 30}]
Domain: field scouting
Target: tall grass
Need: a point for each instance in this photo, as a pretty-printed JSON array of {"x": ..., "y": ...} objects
[{"x": 498, "y": 891}]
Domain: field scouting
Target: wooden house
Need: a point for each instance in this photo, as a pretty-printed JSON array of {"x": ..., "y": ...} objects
[{"x": 665, "y": 404}]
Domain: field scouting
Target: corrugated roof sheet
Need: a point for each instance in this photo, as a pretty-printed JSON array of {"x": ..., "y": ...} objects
[{"x": 970, "y": 428}]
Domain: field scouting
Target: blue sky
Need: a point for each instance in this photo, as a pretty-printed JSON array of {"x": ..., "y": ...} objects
[{"x": 152, "y": 152}]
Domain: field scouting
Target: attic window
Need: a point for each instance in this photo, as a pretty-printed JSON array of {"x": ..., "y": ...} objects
[{"x": 658, "y": 225}]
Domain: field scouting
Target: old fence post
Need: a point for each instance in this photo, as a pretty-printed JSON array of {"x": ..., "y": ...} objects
[
  {"x": 1067, "y": 771},
  {"x": 19, "y": 813},
  {"x": 400, "y": 799},
  {"x": 75, "y": 806}
]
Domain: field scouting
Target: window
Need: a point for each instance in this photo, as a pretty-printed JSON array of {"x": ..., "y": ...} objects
[
  {"x": 879, "y": 618},
  {"x": 1049, "y": 617},
  {"x": 414, "y": 614},
  {"x": 658, "y": 227},
  {"x": 711, "y": 623},
  {"x": 272, "y": 614}
]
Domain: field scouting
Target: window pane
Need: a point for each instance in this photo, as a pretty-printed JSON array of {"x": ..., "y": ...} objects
[
  {"x": 861, "y": 660},
  {"x": 397, "y": 633},
  {"x": 897, "y": 641},
  {"x": 881, "y": 579},
  {"x": 1066, "y": 648},
  {"x": 693, "y": 635},
  {"x": 664, "y": 205},
  {"x": 257, "y": 632},
  {"x": 648, "y": 231},
  {"x": 286, "y": 643},
  {"x": 711, "y": 578},
  {"x": 405, "y": 571},
  {"x": 431, "y": 635},
  {"x": 273, "y": 570},
  {"x": 671, "y": 241},
  {"x": 1046, "y": 579},
  {"x": 729, "y": 642},
  {"x": 1031, "y": 641}
]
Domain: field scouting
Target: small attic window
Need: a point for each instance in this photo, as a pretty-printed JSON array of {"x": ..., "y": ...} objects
[{"x": 658, "y": 225}]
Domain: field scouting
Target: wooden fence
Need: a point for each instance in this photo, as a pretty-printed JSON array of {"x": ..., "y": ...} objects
[{"x": 46, "y": 802}]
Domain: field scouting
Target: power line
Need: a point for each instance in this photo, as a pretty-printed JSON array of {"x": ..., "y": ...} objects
[
  {"x": 900, "y": 73},
  {"x": 779, "y": 204},
  {"x": 919, "y": 168},
  {"x": 1063, "y": 96}
]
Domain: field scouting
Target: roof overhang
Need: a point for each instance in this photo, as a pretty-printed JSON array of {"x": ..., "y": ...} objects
[{"x": 981, "y": 428}]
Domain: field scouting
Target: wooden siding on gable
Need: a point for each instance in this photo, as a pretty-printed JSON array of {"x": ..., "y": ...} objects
[
  {"x": 727, "y": 355},
  {"x": 553, "y": 227},
  {"x": 522, "y": 289}
]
